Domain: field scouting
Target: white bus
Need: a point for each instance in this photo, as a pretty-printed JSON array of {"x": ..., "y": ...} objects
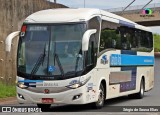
[{"x": 80, "y": 56}]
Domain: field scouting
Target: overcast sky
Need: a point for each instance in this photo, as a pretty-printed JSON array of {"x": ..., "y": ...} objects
[
  {"x": 103, "y": 4},
  {"x": 106, "y": 4}
]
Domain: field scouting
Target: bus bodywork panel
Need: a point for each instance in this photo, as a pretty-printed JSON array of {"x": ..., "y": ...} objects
[
  {"x": 125, "y": 79},
  {"x": 122, "y": 70},
  {"x": 59, "y": 90}
]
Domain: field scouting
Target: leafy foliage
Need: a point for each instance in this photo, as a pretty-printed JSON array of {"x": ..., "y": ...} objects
[{"x": 156, "y": 42}]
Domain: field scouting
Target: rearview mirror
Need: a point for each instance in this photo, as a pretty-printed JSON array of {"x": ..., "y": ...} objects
[
  {"x": 9, "y": 38},
  {"x": 86, "y": 37}
]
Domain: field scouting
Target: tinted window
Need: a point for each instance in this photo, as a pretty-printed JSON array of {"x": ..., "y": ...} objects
[
  {"x": 110, "y": 36},
  {"x": 93, "y": 23},
  {"x": 124, "y": 38}
]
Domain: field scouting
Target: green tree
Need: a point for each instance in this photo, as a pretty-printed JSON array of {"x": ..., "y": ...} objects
[{"x": 157, "y": 42}]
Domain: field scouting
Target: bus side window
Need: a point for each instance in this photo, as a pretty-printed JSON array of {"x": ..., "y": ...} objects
[
  {"x": 145, "y": 41},
  {"x": 110, "y": 36},
  {"x": 91, "y": 55},
  {"x": 126, "y": 38},
  {"x": 109, "y": 39},
  {"x": 93, "y": 23},
  {"x": 121, "y": 37}
]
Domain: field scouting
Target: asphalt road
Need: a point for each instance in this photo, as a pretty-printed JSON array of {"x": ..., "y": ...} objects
[{"x": 151, "y": 98}]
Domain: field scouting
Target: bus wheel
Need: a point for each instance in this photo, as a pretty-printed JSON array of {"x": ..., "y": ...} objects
[
  {"x": 140, "y": 94},
  {"x": 100, "y": 103},
  {"x": 44, "y": 106}
]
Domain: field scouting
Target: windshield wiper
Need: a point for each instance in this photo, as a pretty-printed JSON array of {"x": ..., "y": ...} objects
[
  {"x": 38, "y": 62},
  {"x": 59, "y": 64},
  {"x": 56, "y": 57},
  {"x": 77, "y": 61}
]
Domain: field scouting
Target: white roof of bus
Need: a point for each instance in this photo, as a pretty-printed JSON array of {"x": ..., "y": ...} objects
[{"x": 64, "y": 15}]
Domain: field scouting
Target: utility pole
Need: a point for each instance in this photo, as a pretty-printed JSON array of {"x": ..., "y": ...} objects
[
  {"x": 147, "y": 4},
  {"x": 129, "y": 5},
  {"x": 84, "y": 4}
]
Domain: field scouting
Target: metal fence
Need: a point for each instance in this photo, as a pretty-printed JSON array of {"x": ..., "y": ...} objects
[{"x": 131, "y": 8}]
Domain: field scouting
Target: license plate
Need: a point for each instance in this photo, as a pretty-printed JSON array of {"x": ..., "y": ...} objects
[{"x": 47, "y": 100}]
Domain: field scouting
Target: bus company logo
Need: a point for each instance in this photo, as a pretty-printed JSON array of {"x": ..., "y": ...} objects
[
  {"x": 147, "y": 13},
  {"x": 104, "y": 59}
]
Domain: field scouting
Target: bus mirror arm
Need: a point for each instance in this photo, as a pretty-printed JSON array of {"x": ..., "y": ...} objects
[
  {"x": 8, "y": 40},
  {"x": 86, "y": 37}
]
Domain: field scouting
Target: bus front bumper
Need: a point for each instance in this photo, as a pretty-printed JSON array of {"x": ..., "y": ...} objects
[{"x": 72, "y": 96}]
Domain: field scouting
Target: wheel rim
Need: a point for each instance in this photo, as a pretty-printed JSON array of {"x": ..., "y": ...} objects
[{"x": 101, "y": 97}]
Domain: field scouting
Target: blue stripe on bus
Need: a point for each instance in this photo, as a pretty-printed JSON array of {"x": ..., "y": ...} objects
[
  {"x": 129, "y": 85},
  {"x": 131, "y": 60},
  {"x": 127, "y": 23},
  {"x": 30, "y": 81}
]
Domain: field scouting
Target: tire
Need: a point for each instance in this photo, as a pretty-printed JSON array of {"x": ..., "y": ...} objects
[
  {"x": 100, "y": 103},
  {"x": 44, "y": 106},
  {"x": 140, "y": 94}
]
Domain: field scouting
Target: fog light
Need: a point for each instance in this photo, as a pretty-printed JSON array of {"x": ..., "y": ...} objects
[
  {"x": 21, "y": 96},
  {"x": 77, "y": 96}
]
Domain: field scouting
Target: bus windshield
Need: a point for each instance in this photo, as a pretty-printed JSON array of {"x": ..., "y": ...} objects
[{"x": 50, "y": 52}]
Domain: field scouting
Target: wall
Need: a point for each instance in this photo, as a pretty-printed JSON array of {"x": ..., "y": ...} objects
[
  {"x": 142, "y": 19},
  {"x": 12, "y": 14}
]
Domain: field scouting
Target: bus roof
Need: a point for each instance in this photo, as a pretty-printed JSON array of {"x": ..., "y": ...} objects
[{"x": 66, "y": 15}]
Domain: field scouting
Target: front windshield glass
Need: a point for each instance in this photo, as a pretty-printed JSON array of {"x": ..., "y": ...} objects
[
  {"x": 51, "y": 51},
  {"x": 66, "y": 45},
  {"x": 33, "y": 44}
]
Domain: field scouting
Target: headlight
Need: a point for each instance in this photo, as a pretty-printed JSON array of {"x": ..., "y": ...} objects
[
  {"x": 21, "y": 85},
  {"x": 74, "y": 86},
  {"x": 78, "y": 83}
]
